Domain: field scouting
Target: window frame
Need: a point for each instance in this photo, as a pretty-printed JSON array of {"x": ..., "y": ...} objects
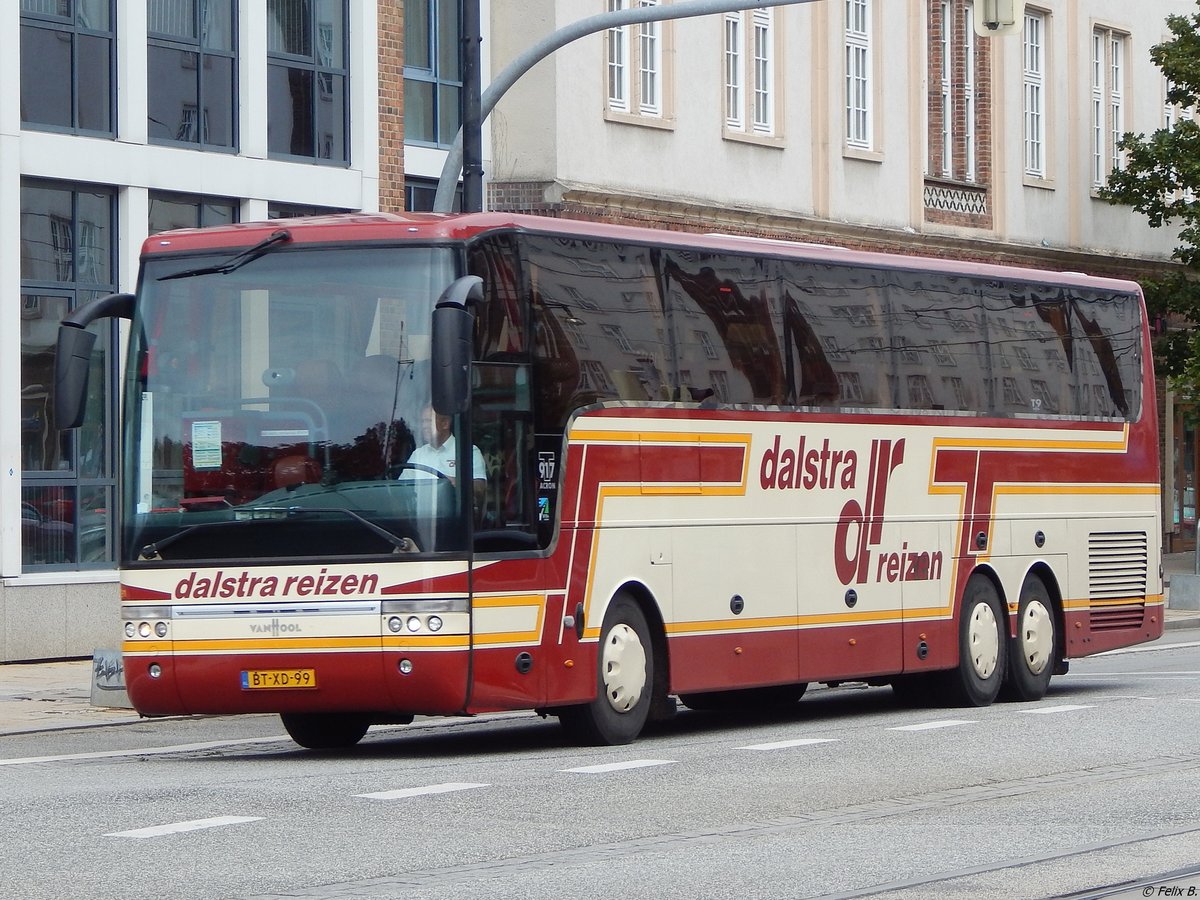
[
  {"x": 77, "y": 290},
  {"x": 279, "y": 59},
  {"x": 752, "y": 86},
  {"x": 433, "y": 75},
  {"x": 859, "y": 77},
  {"x": 1109, "y": 74},
  {"x": 627, "y": 72},
  {"x": 197, "y": 46},
  {"x": 72, "y": 26},
  {"x": 1034, "y": 59}
]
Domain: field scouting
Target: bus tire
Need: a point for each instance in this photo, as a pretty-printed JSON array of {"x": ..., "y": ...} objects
[
  {"x": 326, "y": 731},
  {"x": 981, "y": 647},
  {"x": 1032, "y": 653},
  {"x": 624, "y": 679}
]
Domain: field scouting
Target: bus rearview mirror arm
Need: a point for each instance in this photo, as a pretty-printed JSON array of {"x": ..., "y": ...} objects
[
  {"x": 453, "y": 326},
  {"x": 73, "y": 356}
]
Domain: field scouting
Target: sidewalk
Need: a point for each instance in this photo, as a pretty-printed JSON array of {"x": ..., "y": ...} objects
[{"x": 54, "y": 695}]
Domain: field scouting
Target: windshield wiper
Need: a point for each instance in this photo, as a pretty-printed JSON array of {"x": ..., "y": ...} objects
[
  {"x": 235, "y": 262},
  {"x": 401, "y": 544},
  {"x": 150, "y": 552}
]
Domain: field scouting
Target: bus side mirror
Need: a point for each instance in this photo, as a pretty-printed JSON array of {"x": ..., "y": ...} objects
[
  {"x": 451, "y": 351},
  {"x": 73, "y": 357}
]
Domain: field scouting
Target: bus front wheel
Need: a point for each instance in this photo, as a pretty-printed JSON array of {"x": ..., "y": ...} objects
[
  {"x": 624, "y": 678},
  {"x": 982, "y": 653},
  {"x": 325, "y": 731}
]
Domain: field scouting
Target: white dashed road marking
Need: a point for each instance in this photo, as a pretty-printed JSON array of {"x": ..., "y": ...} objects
[
  {"x": 783, "y": 745},
  {"x": 179, "y": 827},
  {"x": 929, "y": 726},
  {"x": 402, "y": 793},
  {"x": 1047, "y": 710},
  {"x": 617, "y": 767}
]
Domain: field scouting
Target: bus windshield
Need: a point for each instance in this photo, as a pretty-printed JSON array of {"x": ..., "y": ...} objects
[{"x": 279, "y": 408}]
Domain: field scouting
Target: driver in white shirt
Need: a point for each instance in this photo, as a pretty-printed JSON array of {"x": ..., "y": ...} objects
[{"x": 440, "y": 454}]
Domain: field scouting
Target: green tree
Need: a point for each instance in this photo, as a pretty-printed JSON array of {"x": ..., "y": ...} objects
[{"x": 1160, "y": 177}]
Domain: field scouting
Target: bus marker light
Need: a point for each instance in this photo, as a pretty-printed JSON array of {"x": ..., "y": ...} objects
[
  {"x": 737, "y": 651},
  {"x": 853, "y": 642},
  {"x": 569, "y": 664},
  {"x": 405, "y": 666},
  {"x": 414, "y": 624},
  {"x": 155, "y": 670},
  {"x": 395, "y": 624}
]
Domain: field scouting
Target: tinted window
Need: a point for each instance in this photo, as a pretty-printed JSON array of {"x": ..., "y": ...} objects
[{"x": 726, "y": 344}]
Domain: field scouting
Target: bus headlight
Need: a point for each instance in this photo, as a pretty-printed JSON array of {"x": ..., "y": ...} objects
[
  {"x": 395, "y": 624},
  {"x": 130, "y": 629},
  {"x": 414, "y": 624},
  {"x": 160, "y": 629},
  {"x": 144, "y": 629},
  {"x": 435, "y": 623}
]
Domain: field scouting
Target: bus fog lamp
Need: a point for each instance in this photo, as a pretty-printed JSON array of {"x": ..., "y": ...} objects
[
  {"x": 405, "y": 666},
  {"x": 414, "y": 624},
  {"x": 155, "y": 670},
  {"x": 144, "y": 629},
  {"x": 435, "y": 623},
  {"x": 130, "y": 629},
  {"x": 160, "y": 629},
  {"x": 395, "y": 624}
]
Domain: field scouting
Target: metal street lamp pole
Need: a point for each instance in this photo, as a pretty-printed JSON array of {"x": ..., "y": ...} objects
[{"x": 471, "y": 133}]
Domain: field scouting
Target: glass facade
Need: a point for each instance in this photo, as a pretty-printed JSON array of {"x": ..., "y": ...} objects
[
  {"x": 432, "y": 72},
  {"x": 68, "y": 478},
  {"x": 68, "y": 62},
  {"x": 307, "y": 79},
  {"x": 191, "y": 73}
]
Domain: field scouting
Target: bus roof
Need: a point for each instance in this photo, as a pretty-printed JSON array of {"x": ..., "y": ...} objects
[{"x": 342, "y": 228}]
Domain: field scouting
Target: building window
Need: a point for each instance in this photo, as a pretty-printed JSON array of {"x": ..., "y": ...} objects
[
  {"x": 299, "y": 210},
  {"x": 307, "y": 79},
  {"x": 432, "y": 71},
  {"x": 954, "y": 94},
  {"x": 1033, "y": 38},
  {"x": 192, "y": 66},
  {"x": 68, "y": 64},
  {"x": 1108, "y": 101},
  {"x": 634, "y": 63},
  {"x": 419, "y": 194},
  {"x": 750, "y": 72},
  {"x": 859, "y": 116},
  {"x": 68, "y": 477},
  {"x": 169, "y": 211}
]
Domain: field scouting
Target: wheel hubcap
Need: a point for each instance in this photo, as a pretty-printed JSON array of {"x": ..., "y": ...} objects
[
  {"x": 624, "y": 668},
  {"x": 984, "y": 640},
  {"x": 1037, "y": 637}
]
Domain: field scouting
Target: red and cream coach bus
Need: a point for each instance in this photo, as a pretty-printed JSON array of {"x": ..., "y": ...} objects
[{"x": 708, "y": 467}]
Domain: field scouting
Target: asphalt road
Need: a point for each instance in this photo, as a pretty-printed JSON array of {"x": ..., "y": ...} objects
[{"x": 1094, "y": 791}]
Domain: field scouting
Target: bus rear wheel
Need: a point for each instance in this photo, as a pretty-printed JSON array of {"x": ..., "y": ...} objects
[
  {"x": 981, "y": 647},
  {"x": 624, "y": 679},
  {"x": 1031, "y": 655},
  {"x": 326, "y": 731}
]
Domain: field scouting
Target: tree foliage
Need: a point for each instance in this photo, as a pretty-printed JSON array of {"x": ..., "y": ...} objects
[{"x": 1160, "y": 177}]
